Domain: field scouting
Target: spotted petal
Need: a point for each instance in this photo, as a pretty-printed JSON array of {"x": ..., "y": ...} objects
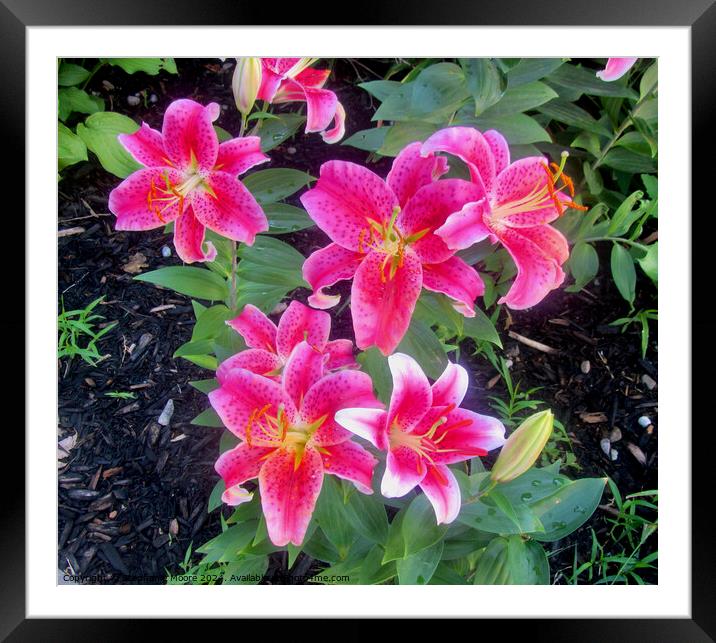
[
  {"x": 324, "y": 268},
  {"x": 256, "y": 328},
  {"x": 412, "y": 396},
  {"x": 240, "y": 154},
  {"x": 256, "y": 360},
  {"x": 403, "y": 470},
  {"x": 443, "y": 492},
  {"x": 411, "y": 171},
  {"x": 236, "y": 466},
  {"x": 457, "y": 280},
  {"x": 189, "y": 135},
  {"x": 466, "y": 434},
  {"x": 352, "y": 462},
  {"x": 304, "y": 367},
  {"x": 466, "y": 226},
  {"x": 369, "y": 424},
  {"x": 146, "y": 145},
  {"x": 189, "y": 239},
  {"x": 451, "y": 386},
  {"x": 299, "y": 323}
]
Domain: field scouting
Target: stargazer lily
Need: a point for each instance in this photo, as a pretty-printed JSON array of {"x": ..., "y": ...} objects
[
  {"x": 517, "y": 202},
  {"x": 616, "y": 68},
  {"x": 383, "y": 237},
  {"x": 284, "y": 80},
  {"x": 270, "y": 345},
  {"x": 424, "y": 431},
  {"x": 190, "y": 179},
  {"x": 290, "y": 439}
]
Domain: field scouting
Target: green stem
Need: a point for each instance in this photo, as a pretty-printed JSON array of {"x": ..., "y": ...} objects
[
  {"x": 234, "y": 264},
  {"x": 476, "y": 497}
]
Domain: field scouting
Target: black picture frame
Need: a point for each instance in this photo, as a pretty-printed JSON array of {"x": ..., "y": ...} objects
[{"x": 700, "y": 15}]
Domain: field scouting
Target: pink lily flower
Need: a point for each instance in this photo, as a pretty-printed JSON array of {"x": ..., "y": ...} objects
[
  {"x": 284, "y": 80},
  {"x": 518, "y": 200},
  {"x": 383, "y": 237},
  {"x": 270, "y": 346},
  {"x": 290, "y": 439},
  {"x": 423, "y": 431},
  {"x": 616, "y": 68},
  {"x": 190, "y": 179}
]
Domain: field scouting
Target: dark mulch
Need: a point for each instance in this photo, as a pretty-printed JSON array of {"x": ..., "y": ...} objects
[{"x": 133, "y": 493}]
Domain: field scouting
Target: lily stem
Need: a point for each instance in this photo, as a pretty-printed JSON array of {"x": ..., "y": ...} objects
[{"x": 234, "y": 264}]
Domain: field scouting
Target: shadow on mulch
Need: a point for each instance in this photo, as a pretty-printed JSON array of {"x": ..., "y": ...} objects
[{"x": 133, "y": 493}]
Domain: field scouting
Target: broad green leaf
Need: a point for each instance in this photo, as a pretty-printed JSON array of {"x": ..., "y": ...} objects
[
  {"x": 330, "y": 514},
  {"x": 588, "y": 141},
  {"x": 568, "y": 509},
  {"x": 215, "y": 497},
  {"x": 628, "y": 161},
  {"x": 372, "y": 571},
  {"x": 421, "y": 343},
  {"x": 381, "y": 89},
  {"x": 70, "y": 74},
  {"x": 395, "y": 545},
  {"x": 208, "y": 417},
  {"x": 650, "y": 262},
  {"x": 370, "y": 140},
  {"x": 530, "y": 69},
  {"x": 586, "y": 81},
  {"x": 187, "y": 280},
  {"x": 593, "y": 178},
  {"x": 623, "y": 272},
  {"x": 533, "y": 485},
  {"x": 446, "y": 575},
  {"x": 518, "y": 129},
  {"x": 151, "y": 66},
  {"x": 374, "y": 363},
  {"x": 99, "y": 132},
  {"x": 621, "y": 220},
  {"x": 488, "y": 517},
  {"x": 319, "y": 547},
  {"x": 367, "y": 515},
  {"x": 521, "y": 98},
  {"x": 583, "y": 264},
  {"x": 269, "y": 186},
  {"x": 70, "y": 147},
  {"x": 649, "y": 80},
  {"x": 73, "y": 99},
  {"x": 228, "y": 545},
  {"x": 512, "y": 561},
  {"x": 222, "y": 134},
  {"x": 481, "y": 328},
  {"x": 249, "y": 570},
  {"x": 651, "y": 183},
  {"x": 403, "y": 133},
  {"x": 570, "y": 114},
  {"x": 284, "y": 218},
  {"x": 205, "y": 386},
  {"x": 275, "y": 131},
  {"x": 485, "y": 82},
  {"x": 418, "y": 568},
  {"x": 418, "y": 526}
]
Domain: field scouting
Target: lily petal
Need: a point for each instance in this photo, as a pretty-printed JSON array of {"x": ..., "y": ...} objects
[
  {"x": 412, "y": 396},
  {"x": 462, "y": 229},
  {"x": 289, "y": 493},
  {"x": 383, "y": 305},
  {"x": 457, "y": 280},
  {"x": 336, "y": 391},
  {"x": 312, "y": 78},
  {"x": 324, "y": 268},
  {"x": 227, "y": 207},
  {"x": 411, "y": 171},
  {"x": 428, "y": 210},
  {"x": 500, "y": 149},
  {"x": 256, "y": 328},
  {"x": 146, "y": 146},
  {"x": 403, "y": 470},
  {"x": 273, "y": 71},
  {"x": 467, "y": 144},
  {"x": 299, "y": 323},
  {"x": 236, "y": 466},
  {"x": 616, "y": 68},
  {"x": 451, "y": 386},
  {"x": 130, "y": 200},
  {"x": 303, "y": 368},
  {"x": 337, "y": 132},
  {"x": 242, "y": 393},
  {"x": 345, "y": 197},
  {"x": 240, "y": 154},
  {"x": 466, "y": 434},
  {"x": 443, "y": 492},
  {"x": 256, "y": 360},
  {"x": 352, "y": 462},
  {"x": 369, "y": 424},
  {"x": 189, "y": 135},
  {"x": 189, "y": 239},
  {"x": 538, "y": 253},
  {"x": 340, "y": 354}
]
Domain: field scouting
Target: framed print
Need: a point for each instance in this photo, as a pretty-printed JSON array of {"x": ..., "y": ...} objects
[{"x": 360, "y": 321}]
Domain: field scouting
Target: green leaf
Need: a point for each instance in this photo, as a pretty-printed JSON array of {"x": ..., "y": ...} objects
[
  {"x": 419, "y": 528},
  {"x": 187, "y": 280},
  {"x": 367, "y": 515},
  {"x": 247, "y": 571},
  {"x": 229, "y": 544},
  {"x": 100, "y": 132},
  {"x": 623, "y": 272},
  {"x": 486, "y": 516},
  {"x": 370, "y": 140},
  {"x": 569, "y": 114},
  {"x": 530, "y": 69},
  {"x": 372, "y": 571},
  {"x": 583, "y": 264},
  {"x": 650, "y": 262},
  {"x": 421, "y": 343},
  {"x": 521, "y": 98},
  {"x": 151, "y": 66},
  {"x": 568, "y": 509},
  {"x": 623, "y": 218},
  {"x": 276, "y": 130},
  {"x": 70, "y": 147},
  {"x": 269, "y": 186},
  {"x": 419, "y": 568},
  {"x": 205, "y": 386},
  {"x": 403, "y": 133},
  {"x": 330, "y": 514},
  {"x": 381, "y": 89},
  {"x": 651, "y": 183},
  {"x": 446, "y": 575},
  {"x": 512, "y": 561},
  {"x": 208, "y": 417},
  {"x": 518, "y": 129},
  {"x": 70, "y": 74},
  {"x": 481, "y": 328},
  {"x": 585, "y": 81},
  {"x": 222, "y": 134},
  {"x": 485, "y": 82},
  {"x": 649, "y": 80},
  {"x": 215, "y": 497},
  {"x": 72, "y": 99},
  {"x": 588, "y": 141},
  {"x": 374, "y": 363},
  {"x": 284, "y": 218},
  {"x": 628, "y": 161},
  {"x": 593, "y": 178}
]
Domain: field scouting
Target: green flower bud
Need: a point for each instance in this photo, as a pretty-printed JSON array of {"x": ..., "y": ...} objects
[
  {"x": 523, "y": 447},
  {"x": 246, "y": 82}
]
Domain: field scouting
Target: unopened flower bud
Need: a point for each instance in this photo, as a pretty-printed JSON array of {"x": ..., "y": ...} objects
[
  {"x": 246, "y": 82},
  {"x": 523, "y": 447}
]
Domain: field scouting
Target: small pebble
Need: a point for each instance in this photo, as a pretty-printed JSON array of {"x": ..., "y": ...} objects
[
  {"x": 648, "y": 381},
  {"x": 133, "y": 100},
  {"x": 153, "y": 98},
  {"x": 291, "y": 150},
  {"x": 644, "y": 421},
  {"x": 166, "y": 251},
  {"x": 616, "y": 434},
  {"x": 90, "y": 382},
  {"x": 613, "y": 454},
  {"x": 166, "y": 416},
  {"x": 606, "y": 445},
  {"x": 509, "y": 363},
  {"x": 585, "y": 366}
]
